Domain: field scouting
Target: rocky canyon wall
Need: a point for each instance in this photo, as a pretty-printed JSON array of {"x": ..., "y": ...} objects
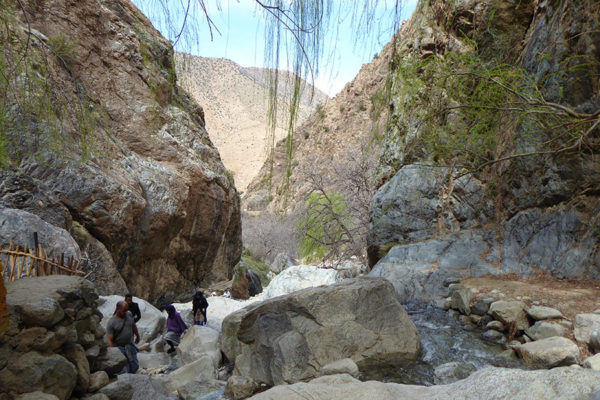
[
  {"x": 534, "y": 207},
  {"x": 447, "y": 204},
  {"x": 138, "y": 189}
]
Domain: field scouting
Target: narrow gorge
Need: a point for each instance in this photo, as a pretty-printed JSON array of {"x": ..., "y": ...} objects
[{"x": 430, "y": 232}]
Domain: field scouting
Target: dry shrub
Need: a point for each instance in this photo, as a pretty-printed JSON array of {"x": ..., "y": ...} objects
[{"x": 267, "y": 235}]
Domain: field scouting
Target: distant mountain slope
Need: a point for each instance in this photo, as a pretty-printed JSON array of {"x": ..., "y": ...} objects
[
  {"x": 340, "y": 130},
  {"x": 235, "y": 103}
]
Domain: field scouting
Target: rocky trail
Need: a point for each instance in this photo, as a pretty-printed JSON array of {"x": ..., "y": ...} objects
[{"x": 312, "y": 334}]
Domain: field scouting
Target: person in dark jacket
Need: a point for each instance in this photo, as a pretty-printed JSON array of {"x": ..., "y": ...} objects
[
  {"x": 133, "y": 307},
  {"x": 199, "y": 306},
  {"x": 175, "y": 328}
]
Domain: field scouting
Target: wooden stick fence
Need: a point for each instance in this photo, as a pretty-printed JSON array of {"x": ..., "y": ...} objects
[{"x": 19, "y": 263}]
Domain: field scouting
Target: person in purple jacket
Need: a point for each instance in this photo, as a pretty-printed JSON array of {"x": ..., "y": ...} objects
[{"x": 175, "y": 327}]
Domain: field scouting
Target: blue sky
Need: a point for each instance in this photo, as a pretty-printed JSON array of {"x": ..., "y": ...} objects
[{"x": 242, "y": 39}]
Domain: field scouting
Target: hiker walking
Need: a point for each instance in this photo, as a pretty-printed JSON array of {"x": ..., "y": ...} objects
[
  {"x": 175, "y": 328},
  {"x": 199, "y": 305},
  {"x": 120, "y": 330},
  {"x": 133, "y": 307}
]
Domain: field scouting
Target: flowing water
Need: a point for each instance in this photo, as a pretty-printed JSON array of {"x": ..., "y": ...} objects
[{"x": 443, "y": 339}]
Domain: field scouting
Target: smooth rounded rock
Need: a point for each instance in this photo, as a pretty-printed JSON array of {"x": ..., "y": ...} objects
[
  {"x": 492, "y": 335},
  {"x": 584, "y": 325},
  {"x": 548, "y": 353},
  {"x": 509, "y": 312},
  {"x": 592, "y": 362},
  {"x": 286, "y": 338},
  {"x": 198, "y": 342},
  {"x": 32, "y": 371},
  {"x": 98, "y": 380},
  {"x": 299, "y": 277},
  {"x": 542, "y": 330},
  {"x": 539, "y": 313},
  {"x": 344, "y": 366},
  {"x": 496, "y": 325}
]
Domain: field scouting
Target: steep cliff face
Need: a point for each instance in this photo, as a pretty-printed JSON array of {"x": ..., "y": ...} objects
[
  {"x": 519, "y": 195},
  {"x": 144, "y": 190}
]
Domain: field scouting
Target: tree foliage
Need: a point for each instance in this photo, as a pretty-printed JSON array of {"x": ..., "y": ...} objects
[
  {"x": 323, "y": 225},
  {"x": 461, "y": 111}
]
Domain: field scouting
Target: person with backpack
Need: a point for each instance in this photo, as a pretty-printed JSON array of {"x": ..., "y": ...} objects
[
  {"x": 120, "y": 330},
  {"x": 199, "y": 306}
]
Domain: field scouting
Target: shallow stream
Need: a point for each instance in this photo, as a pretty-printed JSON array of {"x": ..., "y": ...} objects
[{"x": 443, "y": 339}]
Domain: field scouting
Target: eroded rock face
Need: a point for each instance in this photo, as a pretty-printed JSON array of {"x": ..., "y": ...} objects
[
  {"x": 289, "y": 338},
  {"x": 154, "y": 193},
  {"x": 412, "y": 206}
]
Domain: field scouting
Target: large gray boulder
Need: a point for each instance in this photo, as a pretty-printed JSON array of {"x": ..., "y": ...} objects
[
  {"x": 498, "y": 383},
  {"x": 539, "y": 313},
  {"x": 33, "y": 371},
  {"x": 197, "y": 342},
  {"x": 557, "y": 241},
  {"x": 300, "y": 277},
  {"x": 201, "y": 369},
  {"x": 111, "y": 362},
  {"x": 548, "y": 353},
  {"x": 542, "y": 330},
  {"x": 201, "y": 389},
  {"x": 288, "y": 338}
]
